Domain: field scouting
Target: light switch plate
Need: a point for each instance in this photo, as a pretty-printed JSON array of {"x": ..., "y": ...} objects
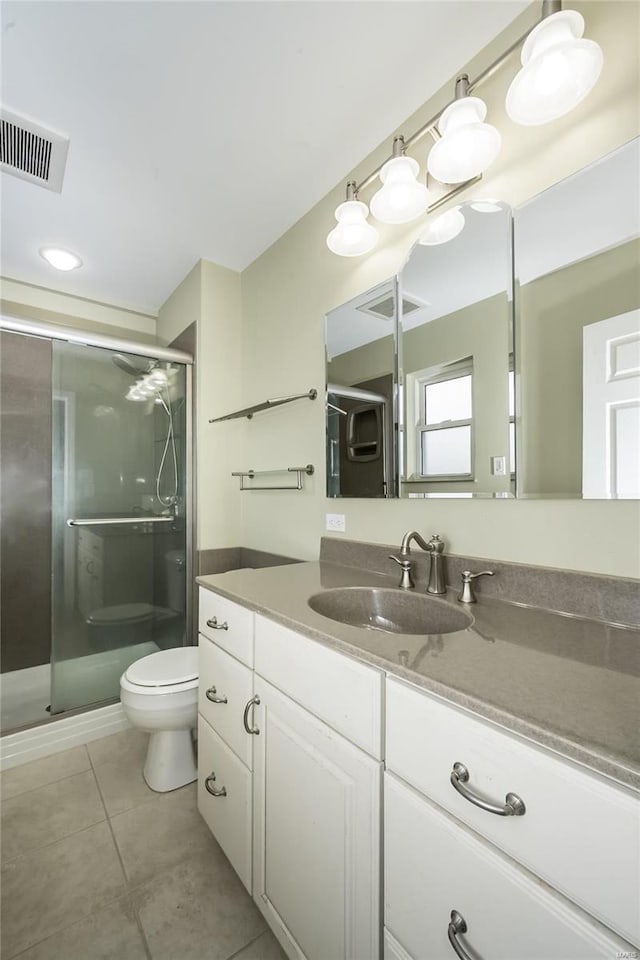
[
  {"x": 499, "y": 466},
  {"x": 336, "y": 522}
]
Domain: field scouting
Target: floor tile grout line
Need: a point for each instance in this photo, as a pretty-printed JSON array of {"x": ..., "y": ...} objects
[
  {"x": 254, "y": 940},
  {"x": 86, "y": 916},
  {"x": 145, "y": 945},
  {"x": 42, "y": 786},
  {"x": 51, "y": 843}
]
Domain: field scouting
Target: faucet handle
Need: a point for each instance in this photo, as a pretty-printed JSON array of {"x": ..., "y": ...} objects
[
  {"x": 436, "y": 545},
  {"x": 467, "y": 595},
  {"x": 406, "y": 565}
]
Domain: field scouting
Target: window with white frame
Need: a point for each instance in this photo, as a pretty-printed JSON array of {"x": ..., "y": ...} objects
[{"x": 444, "y": 410}]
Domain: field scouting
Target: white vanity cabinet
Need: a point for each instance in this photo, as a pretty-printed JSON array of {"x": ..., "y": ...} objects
[
  {"x": 317, "y": 788},
  {"x": 316, "y": 834},
  {"x": 578, "y": 832},
  {"x": 225, "y": 746},
  {"x": 290, "y": 778},
  {"x": 436, "y": 868}
]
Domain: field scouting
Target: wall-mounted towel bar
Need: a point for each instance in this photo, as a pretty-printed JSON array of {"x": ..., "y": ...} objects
[
  {"x": 252, "y": 474},
  {"x": 248, "y": 412}
]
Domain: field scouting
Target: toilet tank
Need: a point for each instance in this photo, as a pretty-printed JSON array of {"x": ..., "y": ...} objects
[{"x": 176, "y": 580}]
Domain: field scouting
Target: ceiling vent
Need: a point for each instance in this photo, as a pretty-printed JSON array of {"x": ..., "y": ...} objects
[
  {"x": 383, "y": 307},
  {"x": 31, "y": 151}
]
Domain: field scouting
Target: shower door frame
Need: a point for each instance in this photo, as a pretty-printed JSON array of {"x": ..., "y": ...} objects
[{"x": 52, "y": 331}]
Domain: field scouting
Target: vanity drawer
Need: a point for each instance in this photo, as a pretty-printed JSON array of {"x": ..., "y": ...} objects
[
  {"x": 227, "y": 624},
  {"x": 346, "y": 694},
  {"x": 433, "y": 865},
  {"x": 231, "y": 684},
  {"x": 579, "y": 831},
  {"x": 228, "y": 816}
]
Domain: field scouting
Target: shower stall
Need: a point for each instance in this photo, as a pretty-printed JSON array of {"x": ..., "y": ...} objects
[{"x": 96, "y": 501}]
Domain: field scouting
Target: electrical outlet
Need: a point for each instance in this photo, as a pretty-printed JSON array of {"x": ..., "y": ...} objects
[
  {"x": 336, "y": 522},
  {"x": 499, "y": 466}
]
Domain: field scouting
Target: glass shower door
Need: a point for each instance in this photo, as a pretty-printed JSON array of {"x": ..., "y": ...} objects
[{"x": 119, "y": 529}]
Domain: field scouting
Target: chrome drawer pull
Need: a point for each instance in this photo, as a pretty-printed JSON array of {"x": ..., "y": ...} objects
[
  {"x": 513, "y": 805},
  {"x": 457, "y": 925},
  {"x": 245, "y": 716},
  {"x": 213, "y": 623},
  {"x": 222, "y": 792},
  {"x": 210, "y": 694}
]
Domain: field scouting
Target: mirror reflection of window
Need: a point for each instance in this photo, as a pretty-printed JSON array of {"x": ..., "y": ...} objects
[{"x": 445, "y": 426}]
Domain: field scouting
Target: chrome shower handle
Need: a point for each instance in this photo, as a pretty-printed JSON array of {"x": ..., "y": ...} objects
[
  {"x": 513, "y": 805},
  {"x": 210, "y": 694},
  {"x": 213, "y": 623},
  {"x": 214, "y": 791}
]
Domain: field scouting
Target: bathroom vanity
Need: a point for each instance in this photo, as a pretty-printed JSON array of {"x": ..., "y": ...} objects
[{"x": 493, "y": 770}]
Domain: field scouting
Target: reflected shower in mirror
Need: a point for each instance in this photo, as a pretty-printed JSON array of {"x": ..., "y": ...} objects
[
  {"x": 361, "y": 376},
  {"x": 577, "y": 250},
  {"x": 456, "y": 379}
]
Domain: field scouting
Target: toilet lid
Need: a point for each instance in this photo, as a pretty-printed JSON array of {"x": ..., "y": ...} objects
[
  {"x": 166, "y": 668},
  {"x": 122, "y": 613}
]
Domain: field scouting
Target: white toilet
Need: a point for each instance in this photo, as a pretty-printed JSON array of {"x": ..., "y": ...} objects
[{"x": 159, "y": 693}]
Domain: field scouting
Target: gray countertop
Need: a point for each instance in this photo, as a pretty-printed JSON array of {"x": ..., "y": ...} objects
[{"x": 568, "y": 683}]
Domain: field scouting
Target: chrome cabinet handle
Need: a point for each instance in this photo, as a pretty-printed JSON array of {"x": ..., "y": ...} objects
[
  {"x": 513, "y": 805},
  {"x": 210, "y": 694},
  {"x": 457, "y": 925},
  {"x": 213, "y": 623},
  {"x": 214, "y": 791},
  {"x": 245, "y": 716}
]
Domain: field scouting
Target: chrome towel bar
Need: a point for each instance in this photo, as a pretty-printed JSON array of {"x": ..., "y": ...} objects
[
  {"x": 252, "y": 474},
  {"x": 266, "y": 405}
]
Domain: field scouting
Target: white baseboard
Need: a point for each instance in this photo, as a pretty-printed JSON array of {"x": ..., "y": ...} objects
[{"x": 58, "y": 735}]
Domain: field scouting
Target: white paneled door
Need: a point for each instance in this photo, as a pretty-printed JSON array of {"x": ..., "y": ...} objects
[{"x": 611, "y": 408}]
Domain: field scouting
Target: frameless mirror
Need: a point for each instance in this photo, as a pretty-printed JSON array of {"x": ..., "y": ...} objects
[
  {"x": 456, "y": 365},
  {"x": 360, "y": 341},
  {"x": 430, "y": 393},
  {"x": 577, "y": 250}
]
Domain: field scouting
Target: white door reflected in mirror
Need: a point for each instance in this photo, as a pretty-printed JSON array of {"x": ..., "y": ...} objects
[{"x": 611, "y": 408}]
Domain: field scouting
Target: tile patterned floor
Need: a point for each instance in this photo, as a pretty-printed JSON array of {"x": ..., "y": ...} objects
[{"x": 96, "y": 866}]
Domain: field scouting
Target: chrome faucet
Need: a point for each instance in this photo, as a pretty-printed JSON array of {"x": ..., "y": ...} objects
[{"x": 435, "y": 548}]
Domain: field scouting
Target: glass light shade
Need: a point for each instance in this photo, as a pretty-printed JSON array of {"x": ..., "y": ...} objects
[
  {"x": 60, "y": 259},
  {"x": 444, "y": 228},
  {"x": 468, "y": 146},
  {"x": 353, "y": 236},
  {"x": 401, "y": 198},
  {"x": 559, "y": 69},
  {"x": 486, "y": 205}
]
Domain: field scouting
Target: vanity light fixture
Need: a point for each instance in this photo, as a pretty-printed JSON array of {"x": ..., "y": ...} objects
[
  {"x": 402, "y": 197},
  {"x": 60, "y": 259},
  {"x": 467, "y": 146},
  {"x": 444, "y": 228},
  {"x": 559, "y": 68},
  {"x": 354, "y": 235}
]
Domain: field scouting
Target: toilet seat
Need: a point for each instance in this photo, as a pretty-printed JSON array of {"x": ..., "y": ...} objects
[{"x": 167, "y": 671}]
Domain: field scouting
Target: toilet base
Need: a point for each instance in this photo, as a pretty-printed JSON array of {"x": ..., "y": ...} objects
[{"x": 170, "y": 760}]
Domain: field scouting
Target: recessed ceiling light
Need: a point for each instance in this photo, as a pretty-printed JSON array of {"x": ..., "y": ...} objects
[{"x": 60, "y": 259}]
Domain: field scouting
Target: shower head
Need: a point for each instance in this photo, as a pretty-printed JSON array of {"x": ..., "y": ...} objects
[{"x": 124, "y": 363}]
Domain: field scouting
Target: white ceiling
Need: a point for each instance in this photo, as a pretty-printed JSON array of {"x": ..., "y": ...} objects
[{"x": 206, "y": 129}]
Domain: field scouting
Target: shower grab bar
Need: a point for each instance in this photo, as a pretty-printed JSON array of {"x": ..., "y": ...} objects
[{"x": 101, "y": 521}]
